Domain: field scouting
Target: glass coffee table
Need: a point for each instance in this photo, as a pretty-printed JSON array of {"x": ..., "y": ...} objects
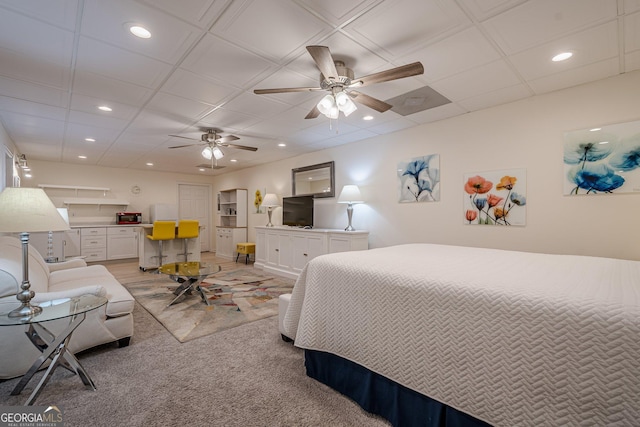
[
  {"x": 53, "y": 346},
  {"x": 189, "y": 275}
]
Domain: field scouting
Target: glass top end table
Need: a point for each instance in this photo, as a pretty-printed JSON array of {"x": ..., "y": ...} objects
[{"x": 189, "y": 275}]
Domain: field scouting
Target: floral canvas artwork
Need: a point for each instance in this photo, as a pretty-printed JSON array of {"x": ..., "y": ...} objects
[
  {"x": 419, "y": 179},
  {"x": 602, "y": 160},
  {"x": 495, "y": 198}
]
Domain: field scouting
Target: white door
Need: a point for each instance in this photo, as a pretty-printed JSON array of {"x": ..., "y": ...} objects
[{"x": 194, "y": 203}]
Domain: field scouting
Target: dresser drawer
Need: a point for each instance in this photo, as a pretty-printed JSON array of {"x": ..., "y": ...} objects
[
  {"x": 90, "y": 255},
  {"x": 93, "y": 231},
  {"x": 92, "y": 242}
]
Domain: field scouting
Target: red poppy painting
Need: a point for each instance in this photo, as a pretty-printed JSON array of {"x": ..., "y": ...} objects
[{"x": 495, "y": 198}]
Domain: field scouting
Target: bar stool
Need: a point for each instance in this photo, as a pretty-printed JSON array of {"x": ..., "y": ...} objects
[
  {"x": 162, "y": 230},
  {"x": 187, "y": 229}
]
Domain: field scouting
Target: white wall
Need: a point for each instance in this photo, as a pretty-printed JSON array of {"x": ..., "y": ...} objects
[{"x": 525, "y": 134}]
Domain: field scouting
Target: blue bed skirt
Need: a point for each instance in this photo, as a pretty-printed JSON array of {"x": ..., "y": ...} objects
[{"x": 379, "y": 395}]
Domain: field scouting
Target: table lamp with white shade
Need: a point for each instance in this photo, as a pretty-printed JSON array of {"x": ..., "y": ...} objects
[
  {"x": 24, "y": 210},
  {"x": 350, "y": 194},
  {"x": 270, "y": 201}
]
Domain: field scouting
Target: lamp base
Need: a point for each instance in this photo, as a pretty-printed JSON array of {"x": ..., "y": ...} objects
[
  {"x": 350, "y": 216},
  {"x": 269, "y": 210},
  {"x": 25, "y": 310}
]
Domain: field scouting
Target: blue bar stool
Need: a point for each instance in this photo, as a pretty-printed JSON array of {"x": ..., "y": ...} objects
[
  {"x": 187, "y": 229},
  {"x": 162, "y": 230}
]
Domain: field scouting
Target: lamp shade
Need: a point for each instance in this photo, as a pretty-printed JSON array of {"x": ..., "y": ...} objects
[
  {"x": 270, "y": 200},
  {"x": 25, "y": 209},
  {"x": 350, "y": 194},
  {"x": 207, "y": 153}
]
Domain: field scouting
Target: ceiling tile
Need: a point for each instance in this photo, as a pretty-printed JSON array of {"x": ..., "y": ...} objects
[
  {"x": 89, "y": 105},
  {"x": 337, "y": 12},
  {"x": 201, "y": 13},
  {"x": 108, "y": 89},
  {"x": 484, "y": 79},
  {"x": 33, "y": 92},
  {"x": 98, "y": 120},
  {"x": 471, "y": 50},
  {"x": 77, "y": 132},
  {"x": 496, "y": 97},
  {"x": 110, "y": 20},
  {"x": 229, "y": 118},
  {"x": 483, "y": 9},
  {"x": 538, "y": 22},
  {"x": 32, "y": 108},
  {"x": 391, "y": 29},
  {"x": 254, "y": 25},
  {"x": 632, "y": 32},
  {"x": 592, "y": 45},
  {"x": 238, "y": 68},
  {"x": 189, "y": 85},
  {"x": 58, "y": 12},
  {"x": 24, "y": 127},
  {"x": 178, "y": 106},
  {"x": 33, "y": 69},
  {"x": 104, "y": 59},
  {"x": 576, "y": 76},
  {"x": 261, "y": 106}
]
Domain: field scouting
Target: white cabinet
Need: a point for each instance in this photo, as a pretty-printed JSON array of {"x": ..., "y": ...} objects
[
  {"x": 226, "y": 240},
  {"x": 71, "y": 244},
  {"x": 306, "y": 246},
  {"x": 285, "y": 250},
  {"x": 93, "y": 243},
  {"x": 122, "y": 242},
  {"x": 232, "y": 221}
]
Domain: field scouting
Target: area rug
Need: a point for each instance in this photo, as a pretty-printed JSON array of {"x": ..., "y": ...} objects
[{"x": 236, "y": 297}]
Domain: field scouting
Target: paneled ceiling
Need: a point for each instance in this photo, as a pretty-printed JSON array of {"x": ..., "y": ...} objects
[{"x": 61, "y": 59}]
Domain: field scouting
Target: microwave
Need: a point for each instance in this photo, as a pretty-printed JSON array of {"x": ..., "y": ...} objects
[{"x": 128, "y": 218}]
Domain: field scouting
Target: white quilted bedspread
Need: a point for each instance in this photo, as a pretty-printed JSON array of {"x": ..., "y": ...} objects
[{"x": 512, "y": 338}]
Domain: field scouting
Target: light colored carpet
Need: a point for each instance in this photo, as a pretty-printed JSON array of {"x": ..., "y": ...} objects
[{"x": 236, "y": 297}]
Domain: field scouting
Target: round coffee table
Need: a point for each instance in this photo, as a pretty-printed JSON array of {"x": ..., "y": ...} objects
[{"x": 189, "y": 275}]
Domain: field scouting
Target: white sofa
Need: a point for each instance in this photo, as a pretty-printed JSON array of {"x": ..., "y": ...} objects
[{"x": 110, "y": 323}]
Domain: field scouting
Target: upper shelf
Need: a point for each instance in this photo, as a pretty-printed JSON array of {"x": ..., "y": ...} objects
[
  {"x": 93, "y": 201},
  {"x": 73, "y": 187}
]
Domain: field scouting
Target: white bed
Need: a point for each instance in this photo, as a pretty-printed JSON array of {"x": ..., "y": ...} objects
[{"x": 511, "y": 338}]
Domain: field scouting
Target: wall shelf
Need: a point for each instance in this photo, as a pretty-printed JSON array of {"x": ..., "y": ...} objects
[
  {"x": 75, "y": 187},
  {"x": 93, "y": 201}
]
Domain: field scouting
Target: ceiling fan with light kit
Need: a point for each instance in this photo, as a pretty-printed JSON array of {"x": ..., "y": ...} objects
[
  {"x": 339, "y": 80},
  {"x": 212, "y": 142}
]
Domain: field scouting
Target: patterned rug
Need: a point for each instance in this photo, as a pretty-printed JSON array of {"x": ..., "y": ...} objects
[{"x": 236, "y": 297}]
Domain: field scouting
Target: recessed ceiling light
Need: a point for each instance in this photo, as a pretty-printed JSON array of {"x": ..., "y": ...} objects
[
  {"x": 594, "y": 129},
  {"x": 562, "y": 56},
  {"x": 27, "y": 175},
  {"x": 26, "y": 169},
  {"x": 90, "y": 140},
  {"x": 140, "y": 31},
  {"x": 367, "y": 118},
  {"x": 233, "y": 160},
  {"x": 149, "y": 164},
  {"x": 82, "y": 157},
  {"x": 201, "y": 169},
  {"x": 282, "y": 144},
  {"x": 603, "y": 142},
  {"x": 104, "y": 108}
]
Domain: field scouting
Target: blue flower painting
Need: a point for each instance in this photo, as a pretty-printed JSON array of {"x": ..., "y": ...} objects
[
  {"x": 419, "y": 179},
  {"x": 603, "y": 160}
]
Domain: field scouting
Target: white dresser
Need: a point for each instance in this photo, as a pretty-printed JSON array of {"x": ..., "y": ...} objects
[{"x": 286, "y": 250}]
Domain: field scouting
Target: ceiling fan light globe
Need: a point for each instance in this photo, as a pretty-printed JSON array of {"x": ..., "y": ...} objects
[
  {"x": 325, "y": 104},
  {"x": 217, "y": 153},
  {"x": 207, "y": 153},
  {"x": 348, "y": 108},
  {"x": 342, "y": 99},
  {"x": 333, "y": 113}
]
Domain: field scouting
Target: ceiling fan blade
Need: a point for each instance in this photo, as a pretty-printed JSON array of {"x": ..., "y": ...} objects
[
  {"x": 285, "y": 90},
  {"x": 323, "y": 59},
  {"x": 185, "y": 137},
  {"x": 240, "y": 147},
  {"x": 313, "y": 113},
  {"x": 227, "y": 138},
  {"x": 369, "y": 101},
  {"x": 401, "y": 72},
  {"x": 187, "y": 145}
]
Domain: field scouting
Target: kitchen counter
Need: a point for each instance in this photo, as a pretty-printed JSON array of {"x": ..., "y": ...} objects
[{"x": 109, "y": 225}]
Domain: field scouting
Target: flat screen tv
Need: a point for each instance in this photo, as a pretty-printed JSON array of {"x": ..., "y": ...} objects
[{"x": 297, "y": 211}]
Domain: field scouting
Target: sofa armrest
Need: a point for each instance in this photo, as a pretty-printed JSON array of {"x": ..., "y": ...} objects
[
  {"x": 69, "y": 293},
  {"x": 64, "y": 265}
]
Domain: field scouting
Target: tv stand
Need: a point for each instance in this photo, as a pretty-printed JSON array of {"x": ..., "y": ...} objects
[{"x": 286, "y": 250}]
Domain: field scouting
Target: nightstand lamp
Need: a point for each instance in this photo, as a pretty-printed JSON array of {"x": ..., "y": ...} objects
[
  {"x": 270, "y": 201},
  {"x": 350, "y": 194},
  {"x": 24, "y": 210}
]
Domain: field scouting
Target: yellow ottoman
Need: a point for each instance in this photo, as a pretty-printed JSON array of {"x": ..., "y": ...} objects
[{"x": 245, "y": 248}]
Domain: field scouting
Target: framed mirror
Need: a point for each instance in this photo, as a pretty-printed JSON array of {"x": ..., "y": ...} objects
[{"x": 315, "y": 180}]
